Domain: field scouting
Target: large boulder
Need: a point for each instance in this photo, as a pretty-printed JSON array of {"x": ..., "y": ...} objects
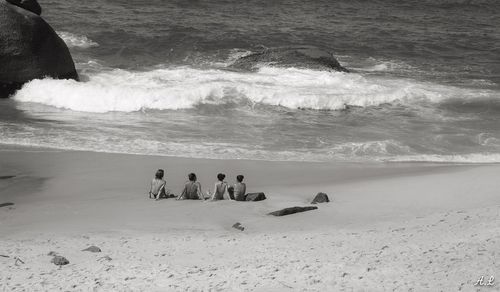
[
  {"x": 29, "y": 49},
  {"x": 301, "y": 57},
  {"x": 30, "y": 5}
]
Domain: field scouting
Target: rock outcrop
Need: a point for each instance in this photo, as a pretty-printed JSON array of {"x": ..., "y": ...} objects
[
  {"x": 254, "y": 197},
  {"x": 301, "y": 57},
  {"x": 30, "y": 5},
  {"x": 29, "y": 49},
  {"x": 320, "y": 198},
  {"x": 292, "y": 210}
]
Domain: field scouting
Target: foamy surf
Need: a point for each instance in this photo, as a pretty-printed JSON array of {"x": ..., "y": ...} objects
[
  {"x": 472, "y": 158},
  {"x": 76, "y": 41},
  {"x": 186, "y": 87}
]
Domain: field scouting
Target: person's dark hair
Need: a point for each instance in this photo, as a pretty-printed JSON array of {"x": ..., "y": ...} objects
[
  {"x": 192, "y": 177},
  {"x": 159, "y": 174},
  {"x": 240, "y": 178},
  {"x": 221, "y": 176}
]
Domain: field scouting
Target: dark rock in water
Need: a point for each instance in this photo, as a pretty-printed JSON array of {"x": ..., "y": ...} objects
[
  {"x": 230, "y": 191},
  {"x": 59, "y": 260},
  {"x": 30, "y": 5},
  {"x": 29, "y": 49},
  {"x": 7, "y": 176},
  {"x": 92, "y": 248},
  {"x": 320, "y": 198},
  {"x": 301, "y": 57},
  {"x": 238, "y": 226},
  {"x": 292, "y": 210},
  {"x": 6, "y": 204},
  {"x": 255, "y": 197}
]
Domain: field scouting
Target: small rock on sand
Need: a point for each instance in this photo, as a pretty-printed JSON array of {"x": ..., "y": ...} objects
[
  {"x": 92, "y": 248},
  {"x": 59, "y": 260},
  {"x": 320, "y": 198},
  {"x": 238, "y": 226},
  {"x": 292, "y": 210}
]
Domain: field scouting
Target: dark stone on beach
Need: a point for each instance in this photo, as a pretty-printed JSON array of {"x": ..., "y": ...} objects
[
  {"x": 30, "y": 5},
  {"x": 6, "y": 204},
  {"x": 59, "y": 260},
  {"x": 292, "y": 210},
  {"x": 29, "y": 49},
  {"x": 52, "y": 253},
  {"x": 238, "y": 226},
  {"x": 7, "y": 176},
  {"x": 92, "y": 248},
  {"x": 320, "y": 198},
  {"x": 301, "y": 57},
  {"x": 254, "y": 197}
]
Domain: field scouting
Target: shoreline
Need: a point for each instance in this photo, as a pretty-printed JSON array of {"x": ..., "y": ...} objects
[{"x": 388, "y": 226}]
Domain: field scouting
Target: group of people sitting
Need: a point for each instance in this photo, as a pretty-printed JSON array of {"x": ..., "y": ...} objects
[{"x": 192, "y": 189}]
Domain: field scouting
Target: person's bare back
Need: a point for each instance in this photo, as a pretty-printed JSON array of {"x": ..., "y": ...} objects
[{"x": 240, "y": 189}]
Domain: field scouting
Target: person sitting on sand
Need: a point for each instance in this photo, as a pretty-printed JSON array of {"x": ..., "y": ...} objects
[
  {"x": 192, "y": 189},
  {"x": 240, "y": 188},
  {"x": 158, "y": 184},
  {"x": 220, "y": 188}
]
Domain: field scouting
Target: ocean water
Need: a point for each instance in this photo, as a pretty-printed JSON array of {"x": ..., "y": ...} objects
[{"x": 424, "y": 82}]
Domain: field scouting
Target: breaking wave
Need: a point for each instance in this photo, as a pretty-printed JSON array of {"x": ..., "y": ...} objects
[{"x": 185, "y": 87}]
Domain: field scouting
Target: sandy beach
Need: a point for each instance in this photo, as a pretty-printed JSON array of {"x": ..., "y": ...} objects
[{"x": 401, "y": 227}]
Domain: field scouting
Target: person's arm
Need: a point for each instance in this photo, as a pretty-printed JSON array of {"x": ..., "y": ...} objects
[
  {"x": 200, "y": 194},
  {"x": 183, "y": 193},
  {"x": 161, "y": 191},
  {"x": 226, "y": 191},
  {"x": 151, "y": 189},
  {"x": 212, "y": 195}
]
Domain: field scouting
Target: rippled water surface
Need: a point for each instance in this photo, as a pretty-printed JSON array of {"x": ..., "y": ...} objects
[{"x": 424, "y": 82}]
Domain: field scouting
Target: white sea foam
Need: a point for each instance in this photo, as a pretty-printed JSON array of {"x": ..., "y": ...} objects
[
  {"x": 457, "y": 158},
  {"x": 185, "y": 87},
  {"x": 76, "y": 41},
  {"x": 370, "y": 149}
]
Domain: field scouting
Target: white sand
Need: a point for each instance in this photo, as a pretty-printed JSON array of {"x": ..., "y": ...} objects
[{"x": 416, "y": 227}]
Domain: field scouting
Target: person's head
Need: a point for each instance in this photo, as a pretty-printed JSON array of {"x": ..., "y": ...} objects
[
  {"x": 221, "y": 176},
  {"x": 192, "y": 177},
  {"x": 240, "y": 178},
  {"x": 159, "y": 174}
]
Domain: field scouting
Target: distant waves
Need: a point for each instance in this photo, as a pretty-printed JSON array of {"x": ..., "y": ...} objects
[{"x": 76, "y": 41}]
